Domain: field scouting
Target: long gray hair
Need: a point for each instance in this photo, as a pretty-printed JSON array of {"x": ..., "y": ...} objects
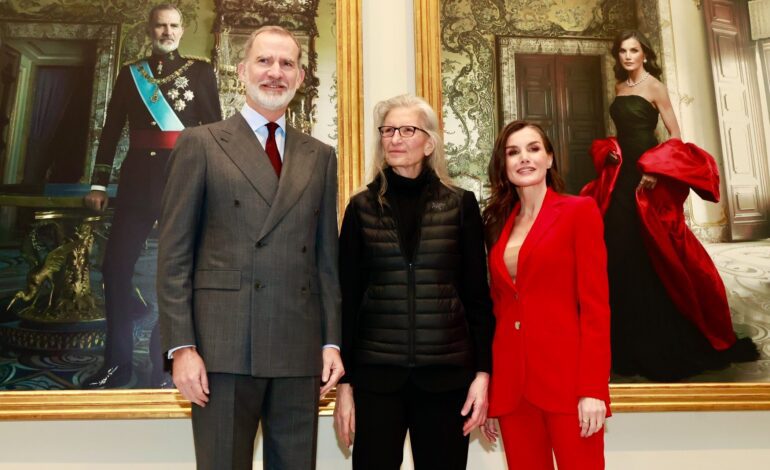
[{"x": 435, "y": 161}]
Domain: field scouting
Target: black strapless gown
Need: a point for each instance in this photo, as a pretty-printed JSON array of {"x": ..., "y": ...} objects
[{"x": 649, "y": 335}]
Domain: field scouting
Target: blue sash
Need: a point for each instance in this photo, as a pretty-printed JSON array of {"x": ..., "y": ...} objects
[{"x": 158, "y": 107}]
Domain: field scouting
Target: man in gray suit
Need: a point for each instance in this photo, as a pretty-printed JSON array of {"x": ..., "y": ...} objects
[{"x": 247, "y": 271}]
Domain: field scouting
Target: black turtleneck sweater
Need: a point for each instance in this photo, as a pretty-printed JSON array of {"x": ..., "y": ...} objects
[{"x": 407, "y": 198}]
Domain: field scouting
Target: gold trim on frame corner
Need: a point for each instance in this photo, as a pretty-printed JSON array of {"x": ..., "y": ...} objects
[
  {"x": 168, "y": 404},
  {"x": 350, "y": 101},
  {"x": 427, "y": 52},
  {"x": 625, "y": 397},
  {"x": 690, "y": 397},
  {"x": 104, "y": 404}
]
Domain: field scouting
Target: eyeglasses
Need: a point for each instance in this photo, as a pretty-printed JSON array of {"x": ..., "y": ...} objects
[{"x": 403, "y": 131}]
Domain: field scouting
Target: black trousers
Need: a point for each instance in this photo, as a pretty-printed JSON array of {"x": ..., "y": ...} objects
[
  {"x": 136, "y": 210},
  {"x": 224, "y": 430},
  {"x": 432, "y": 418}
]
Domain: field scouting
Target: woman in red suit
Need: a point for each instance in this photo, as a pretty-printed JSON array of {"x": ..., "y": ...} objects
[{"x": 548, "y": 276}]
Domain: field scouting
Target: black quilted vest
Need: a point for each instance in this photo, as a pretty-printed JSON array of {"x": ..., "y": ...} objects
[{"x": 411, "y": 313}]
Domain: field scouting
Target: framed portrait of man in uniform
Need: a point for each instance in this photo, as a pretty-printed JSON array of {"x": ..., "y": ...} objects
[{"x": 64, "y": 68}]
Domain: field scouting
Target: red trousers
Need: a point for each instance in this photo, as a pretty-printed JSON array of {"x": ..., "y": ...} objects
[{"x": 533, "y": 436}]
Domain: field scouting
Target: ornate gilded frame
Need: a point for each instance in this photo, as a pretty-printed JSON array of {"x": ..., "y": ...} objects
[
  {"x": 625, "y": 397},
  {"x": 234, "y": 22},
  {"x": 136, "y": 404}
]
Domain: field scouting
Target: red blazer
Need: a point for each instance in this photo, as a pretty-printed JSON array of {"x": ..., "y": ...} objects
[{"x": 552, "y": 339}]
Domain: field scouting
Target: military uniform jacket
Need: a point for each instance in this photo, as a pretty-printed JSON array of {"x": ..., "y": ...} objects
[{"x": 193, "y": 95}]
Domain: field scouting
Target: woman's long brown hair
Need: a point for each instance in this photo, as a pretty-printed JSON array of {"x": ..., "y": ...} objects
[{"x": 503, "y": 195}]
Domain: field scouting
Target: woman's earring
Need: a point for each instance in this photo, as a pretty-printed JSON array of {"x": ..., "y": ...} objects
[{"x": 645, "y": 61}]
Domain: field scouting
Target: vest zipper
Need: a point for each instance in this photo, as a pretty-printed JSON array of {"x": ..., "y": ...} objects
[
  {"x": 424, "y": 197},
  {"x": 411, "y": 300}
]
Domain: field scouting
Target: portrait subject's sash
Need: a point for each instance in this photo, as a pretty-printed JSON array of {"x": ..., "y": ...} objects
[{"x": 153, "y": 99}]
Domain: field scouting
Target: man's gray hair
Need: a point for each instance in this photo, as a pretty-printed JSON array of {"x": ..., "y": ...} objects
[
  {"x": 271, "y": 29},
  {"x": 163, "y": 7}
]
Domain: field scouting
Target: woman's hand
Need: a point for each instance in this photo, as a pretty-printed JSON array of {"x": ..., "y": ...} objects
[
  {"x": 647, "y": 181},
  {"x": 489, "y": 430},
  {"x": 477, "y": 399},
  {"x": 345, "y": 414},
  {"x": 591, "y": 415}
]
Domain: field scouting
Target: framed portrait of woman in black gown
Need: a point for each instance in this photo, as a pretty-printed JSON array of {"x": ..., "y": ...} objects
[{"x": 486, "y": 66}]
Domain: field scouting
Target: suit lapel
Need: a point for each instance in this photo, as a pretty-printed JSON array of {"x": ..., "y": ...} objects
[
  {"x": 498, "y": 250},
  {"x": 549, "y": 212},
  {"x": 240, "y": 144},
  {"x": 299, "y": 162}
]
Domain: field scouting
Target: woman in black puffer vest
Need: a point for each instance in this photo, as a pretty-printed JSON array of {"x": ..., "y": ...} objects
[{"x": 417, "y": 317}]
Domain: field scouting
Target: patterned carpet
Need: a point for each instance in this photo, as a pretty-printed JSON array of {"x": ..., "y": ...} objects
[
  {"x": 745, "y": 270},
  {"x": 31, "y": 370}
]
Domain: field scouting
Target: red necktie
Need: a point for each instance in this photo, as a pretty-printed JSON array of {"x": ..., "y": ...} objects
[{"x": 272, "y": 148}]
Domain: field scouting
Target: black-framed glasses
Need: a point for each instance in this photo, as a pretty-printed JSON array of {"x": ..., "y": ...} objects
[{"x": 403, "y": 131}]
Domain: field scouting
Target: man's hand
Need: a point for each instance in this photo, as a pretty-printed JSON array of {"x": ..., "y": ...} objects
[
  {"x": 332, "y": 371},
  {"x": 96, "y": 200},
  {"x": 190, "y": 377},
  {"x": 345, "y": 414},
  {"x": 477, "y": 400}
]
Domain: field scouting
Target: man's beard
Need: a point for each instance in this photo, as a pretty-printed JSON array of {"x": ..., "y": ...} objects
[
  {"x": 271, "y": 101},
  {"x": 159, "y": 46}
]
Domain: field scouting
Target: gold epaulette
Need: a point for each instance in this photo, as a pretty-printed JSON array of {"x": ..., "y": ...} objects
[
  {"x": 133, "y": 61},
  {"x": 195, "y": 57}
]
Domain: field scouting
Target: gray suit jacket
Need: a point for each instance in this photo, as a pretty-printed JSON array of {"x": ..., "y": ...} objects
[{"x": 247, "y": 263}]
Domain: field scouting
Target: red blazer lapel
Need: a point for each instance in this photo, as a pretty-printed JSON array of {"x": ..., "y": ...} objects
[
  {"x": 496, "y": 255},
  {"x": 549, "y": 212}
]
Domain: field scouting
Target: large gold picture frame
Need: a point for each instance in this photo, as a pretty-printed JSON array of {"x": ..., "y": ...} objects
[
  {"x": 625, "y": 397},
  {"x": 159, "y": 404}
]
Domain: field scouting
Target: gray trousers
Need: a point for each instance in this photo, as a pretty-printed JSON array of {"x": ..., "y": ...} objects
[{"x": 224, "y": 430}]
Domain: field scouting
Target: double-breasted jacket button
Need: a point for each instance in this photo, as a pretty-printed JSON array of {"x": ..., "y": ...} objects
[
  {"x": 517, "y": 325},
  {"x": 257, "y": 285}
]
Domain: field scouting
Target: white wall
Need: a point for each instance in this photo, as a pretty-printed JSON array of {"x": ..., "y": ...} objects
[
  {"x": 389, "y": 70},
  {"x": 635, "y": 441}
]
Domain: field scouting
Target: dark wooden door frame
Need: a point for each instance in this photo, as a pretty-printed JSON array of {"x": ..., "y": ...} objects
[{"x": 563, "y": 93}]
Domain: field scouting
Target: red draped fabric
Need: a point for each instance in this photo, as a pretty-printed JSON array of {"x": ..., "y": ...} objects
[
  {"x": 601, "y": 188},
  {"x": 681, "y": 262}
]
